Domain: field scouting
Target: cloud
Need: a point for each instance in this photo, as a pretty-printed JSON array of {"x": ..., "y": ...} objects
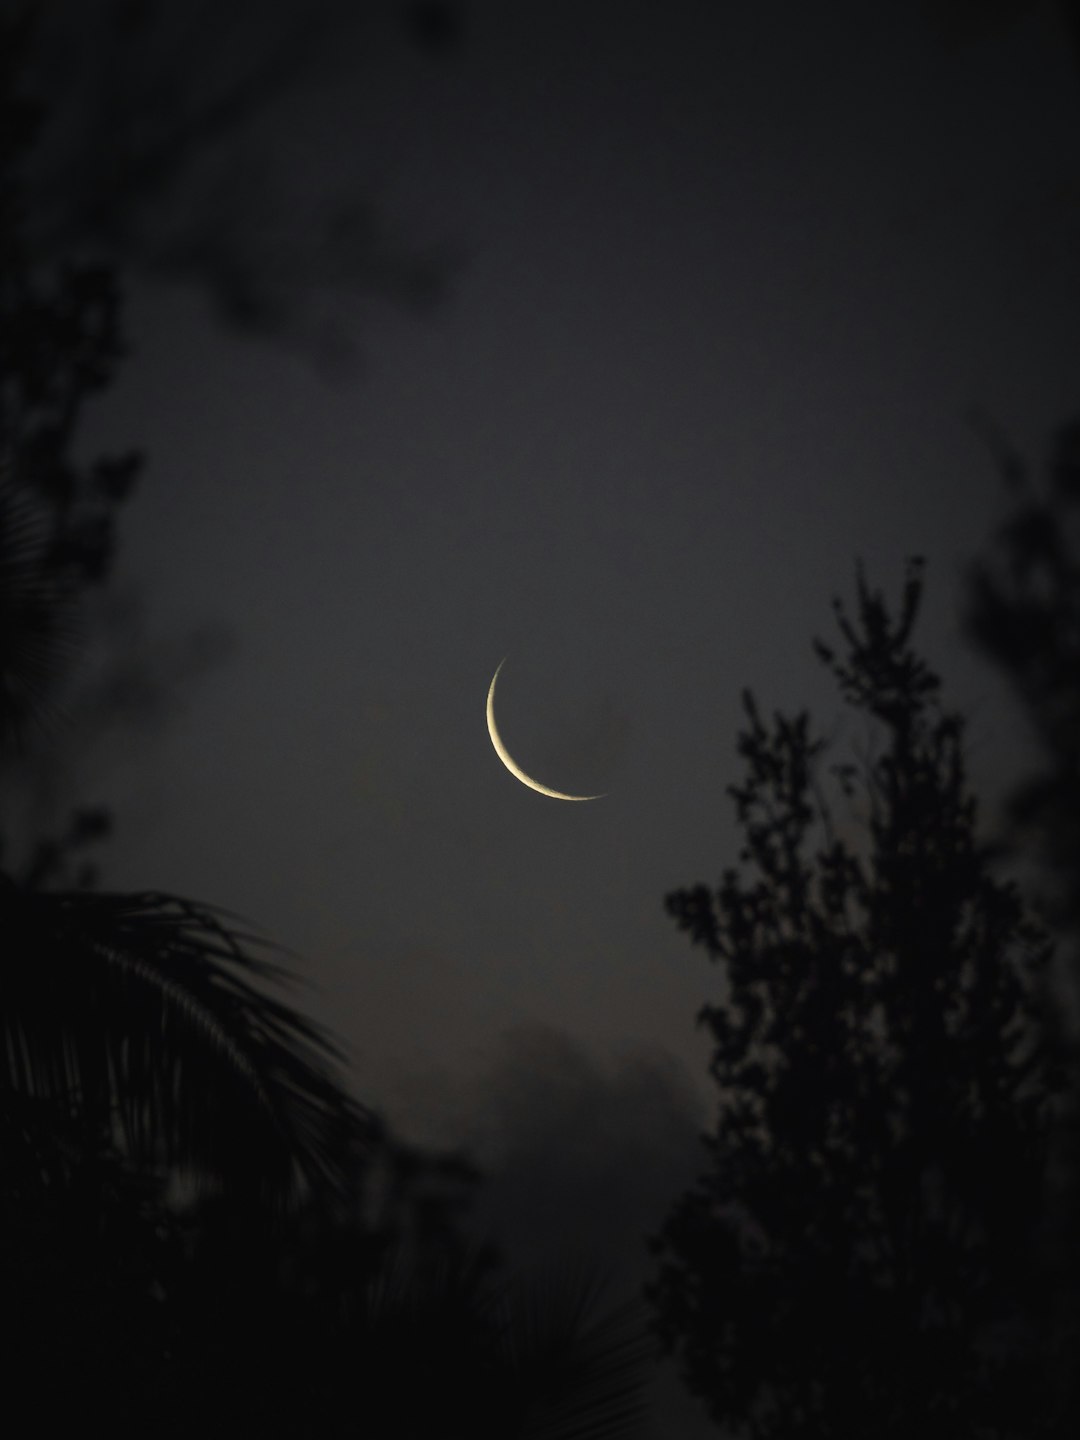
[
  {"x": 583, "y": 1158},
  {"x": 580, "y": 1154}
]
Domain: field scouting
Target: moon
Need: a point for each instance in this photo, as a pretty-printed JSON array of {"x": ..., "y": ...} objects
[{"x": 509, "y": 761}]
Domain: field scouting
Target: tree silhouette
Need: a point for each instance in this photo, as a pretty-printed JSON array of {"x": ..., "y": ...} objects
[
  {"x": 856, "y": 1257},
  {"x": 332, "y": 1333},
  {"x": 151, "y": 1017},
  {"x": 140, "y": 1040},
  {"x": 1023, "y": 613},
  {"x": 152, "y": 158},
  {"x": 143, "y": 1013}
]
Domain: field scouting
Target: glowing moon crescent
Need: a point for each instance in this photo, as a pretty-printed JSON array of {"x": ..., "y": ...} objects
[{"x": 508, "y": 760}]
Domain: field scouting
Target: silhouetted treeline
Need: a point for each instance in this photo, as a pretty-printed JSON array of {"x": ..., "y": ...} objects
[{"x": 866, "y": 1250}]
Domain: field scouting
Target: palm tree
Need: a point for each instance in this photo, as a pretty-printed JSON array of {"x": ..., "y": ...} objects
[
  {"x": 145, "y": 1018},
  {"x": 530, "y": 1356},
  {"x": 147, "y": 1015},
  {"x": 141, "y": 1019},
  {"x": 405, "y": 1341},
  {"x": 142, "y": 1015}
]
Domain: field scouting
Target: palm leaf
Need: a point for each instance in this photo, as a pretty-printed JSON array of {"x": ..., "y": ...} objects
[
  {"x": 147, "y": 1014},
  {"x": 448, "y": 1346},
  {"x": 580, "y": 1374}
]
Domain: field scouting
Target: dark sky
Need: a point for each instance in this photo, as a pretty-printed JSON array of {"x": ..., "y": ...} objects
[{"x": 729, "y": 280}]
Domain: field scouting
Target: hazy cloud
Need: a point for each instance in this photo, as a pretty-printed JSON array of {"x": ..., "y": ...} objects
[{"x": 580, "y": 1152}]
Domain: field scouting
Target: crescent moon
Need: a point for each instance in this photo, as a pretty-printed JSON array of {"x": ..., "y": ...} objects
[{"x": 509, "y": 761}]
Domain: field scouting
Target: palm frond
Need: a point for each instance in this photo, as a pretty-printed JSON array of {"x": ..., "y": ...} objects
[
  {"x": 148, "y": 1013},
  {"x": 453, "y": 1346},
  {"x": 581, "y": 1374}
]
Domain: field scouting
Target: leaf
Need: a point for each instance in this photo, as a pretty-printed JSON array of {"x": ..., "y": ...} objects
[{"x": 150, "y": 1014}]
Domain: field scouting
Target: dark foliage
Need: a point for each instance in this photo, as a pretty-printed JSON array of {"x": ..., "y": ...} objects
[
  {"x": 1024, "y": 615},
  {"x": 137, "y": 1012},
  {"x": 147, "y": 1013},
  {"x": 201, "y": 1232},
  {"x": 860, "y": 1255},
  {"x": 153, "y": 157}
]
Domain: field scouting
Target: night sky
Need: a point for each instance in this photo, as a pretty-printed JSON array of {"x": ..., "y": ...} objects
[{"x": 724, "y": 285}]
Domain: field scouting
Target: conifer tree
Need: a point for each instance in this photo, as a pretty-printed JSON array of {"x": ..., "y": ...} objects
[{"x": 856, "y": 1257}]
